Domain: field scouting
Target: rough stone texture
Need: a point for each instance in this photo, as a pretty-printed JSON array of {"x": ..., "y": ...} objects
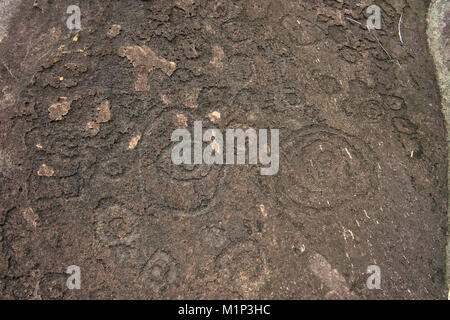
[
  {"x": 7, "y": 9},
  {"x": 363, "y": 163},
  {"x": 439, "y": 41}
]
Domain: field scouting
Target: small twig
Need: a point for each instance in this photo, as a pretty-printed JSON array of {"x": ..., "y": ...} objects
[
  {"x": 400, "y": 28},
  {"x": 9, "y": 71},
  {"x": 350, "y": 19},
  {"x": 390, "y": 57}
]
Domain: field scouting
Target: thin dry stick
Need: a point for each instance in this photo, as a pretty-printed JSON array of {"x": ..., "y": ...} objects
[
  {"x": 9, "y": 71},
  {"x": 400, "y": 28},
  {"x": 350, "y": 19},
  {"x": 390, "y": 57}
]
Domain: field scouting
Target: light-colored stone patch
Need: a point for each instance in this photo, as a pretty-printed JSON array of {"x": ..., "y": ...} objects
[
  {"x": 7, "y": 9},
  {"x": 214, "y": 116},
  {"x": 215, "y": 66},
  {"x": 182, "y": 120},
  {"x": 252, "y": 117},
  {"x": 104, "y": 114},
  {"x": 8, "y": 98},
  {"x": 141, "y": 83},
  {"x": 92, "y": 128},
  {"x": 30, "y": 217},
  {"x": 145, "y": 61},
  {"x": 262, "y": 208},
  {"x": 330, "y": 277},
  {"x": 165, "y": 99},
  {"x": 437, "y": 19},
  {"x": 133, "y": 142},
  {"x": 6, "y": 165},
  {"x": 114, "y": 31},
  {"x": 58, "y": 110},
  {"x": 45, "y": 171},
  {"x": 190, "y": 98}
]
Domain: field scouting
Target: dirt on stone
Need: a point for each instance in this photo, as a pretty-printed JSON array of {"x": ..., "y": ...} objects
[{"x": 86, "y": 177}]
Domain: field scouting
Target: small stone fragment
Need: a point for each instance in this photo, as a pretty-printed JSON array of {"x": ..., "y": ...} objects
[
  {"x": 134, "y": 141},
  {"x": 114, "y": 31},
  {"x": 165, "y": 99},
  {"x": 92, "y": 128},
  {"x": 104, "y": 114},
  {"x": 182, "y": 120},
  {"x": 145, "y": 61},
  {"x": 58, "y": 110},
  {"x": 45, "y": 171},
  {"x": 214, "y": 116}
]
